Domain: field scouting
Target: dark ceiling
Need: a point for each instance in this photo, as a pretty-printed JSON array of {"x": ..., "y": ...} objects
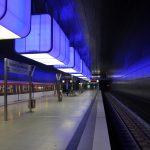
[
  {"x": 119, "y": 32},
  {"x": 109, "y": 34}
]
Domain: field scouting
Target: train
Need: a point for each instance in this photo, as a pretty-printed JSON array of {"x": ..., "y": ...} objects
[{"x": 23, "y": 87}]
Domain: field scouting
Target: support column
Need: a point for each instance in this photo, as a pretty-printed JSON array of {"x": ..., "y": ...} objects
[
  {"x": 5, "y": 90},
  {"x": 58, "y": 86}
]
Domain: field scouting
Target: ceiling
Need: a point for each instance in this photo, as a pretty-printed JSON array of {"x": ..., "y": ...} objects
[
  {"x": 109, "y": 34},
  {"x": 118, "y": 32}
]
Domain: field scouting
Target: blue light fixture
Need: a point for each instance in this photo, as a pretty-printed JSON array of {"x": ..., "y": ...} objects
[
  {"x": 84, "y": 73},
  {"x": 46, "y": 42},
  {"x": 87, "y": 74},
  {"x": 74, "y": 65},
  {"x": 2, "y": 8},
  {"x": 14, "y": 18}
]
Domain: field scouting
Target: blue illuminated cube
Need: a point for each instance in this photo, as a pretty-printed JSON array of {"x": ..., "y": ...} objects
[
  {"x": 74, "y": 65},
  {"x": 46, "y": 42},
  {"x": 15, "y": 18}
]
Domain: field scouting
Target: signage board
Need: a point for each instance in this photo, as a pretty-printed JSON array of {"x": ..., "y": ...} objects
[{"x": 19, "y": 68}]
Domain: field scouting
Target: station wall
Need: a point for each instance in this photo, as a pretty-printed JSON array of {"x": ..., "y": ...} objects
[{"x": 24, "y": 97}]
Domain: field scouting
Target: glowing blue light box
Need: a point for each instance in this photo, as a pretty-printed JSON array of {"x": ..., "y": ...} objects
[
  {"x": 85, "y": 73},
  {"x": 74, "y": 65},
  {"x": 81, "y": 73},
  {"x": 67, "y": 46},
  {"x": 89, "y": 74},
  {"x": 46, "y": 42},
  {"x": 2, "y": 7},
  {"x": 14, "y": 18}
]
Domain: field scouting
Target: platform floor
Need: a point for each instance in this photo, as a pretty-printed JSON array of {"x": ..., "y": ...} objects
[
  {"x": 101, "y": 137},
  {"x": 49, "y": 127},
  {"x": 95, "y": 135}
]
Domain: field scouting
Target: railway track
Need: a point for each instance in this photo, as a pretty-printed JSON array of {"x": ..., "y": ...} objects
[{"x": 138, "y": 128}]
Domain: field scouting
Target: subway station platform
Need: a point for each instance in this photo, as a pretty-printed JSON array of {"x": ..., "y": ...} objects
[{"x": 53, "y": 125}]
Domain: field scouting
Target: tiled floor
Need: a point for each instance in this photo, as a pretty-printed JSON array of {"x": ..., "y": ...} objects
[{"x": 49, "y": 127}]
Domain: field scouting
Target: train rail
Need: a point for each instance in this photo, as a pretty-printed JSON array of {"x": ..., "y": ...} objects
[{"x": 139, "y": 129}]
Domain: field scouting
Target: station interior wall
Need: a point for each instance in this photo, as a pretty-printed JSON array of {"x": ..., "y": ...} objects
[{"x": 25, "y": 97}]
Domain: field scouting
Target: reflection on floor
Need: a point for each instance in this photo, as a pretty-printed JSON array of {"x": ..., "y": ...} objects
[{"x": 49, "y": 127}]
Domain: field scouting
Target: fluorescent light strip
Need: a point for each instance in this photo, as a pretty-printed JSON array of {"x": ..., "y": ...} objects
[
  {"x": 39, "y": 56},
  {"x": 43, "y": 58},
  {"x": 77, "y": 75},
  {"x": 83, "y": 77},
  {"x": 67, "y": 70},
  {"x": 7, "y": 34}
]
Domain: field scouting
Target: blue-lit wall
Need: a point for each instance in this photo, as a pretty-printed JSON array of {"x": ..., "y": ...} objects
[
  {"x": 133, "y": 58},
  {"x": 134, "y": 80},
  {"x": 39, "y": 75}
]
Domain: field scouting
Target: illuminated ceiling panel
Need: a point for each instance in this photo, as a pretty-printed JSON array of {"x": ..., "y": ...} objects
[
  {"x": 2, "y": 8},
  {"x": 85, "y": 73},
  {"x": 14, "y": 18},
  {"x": 74, "y": 65},
  {"x": 46, "y": 43}
]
